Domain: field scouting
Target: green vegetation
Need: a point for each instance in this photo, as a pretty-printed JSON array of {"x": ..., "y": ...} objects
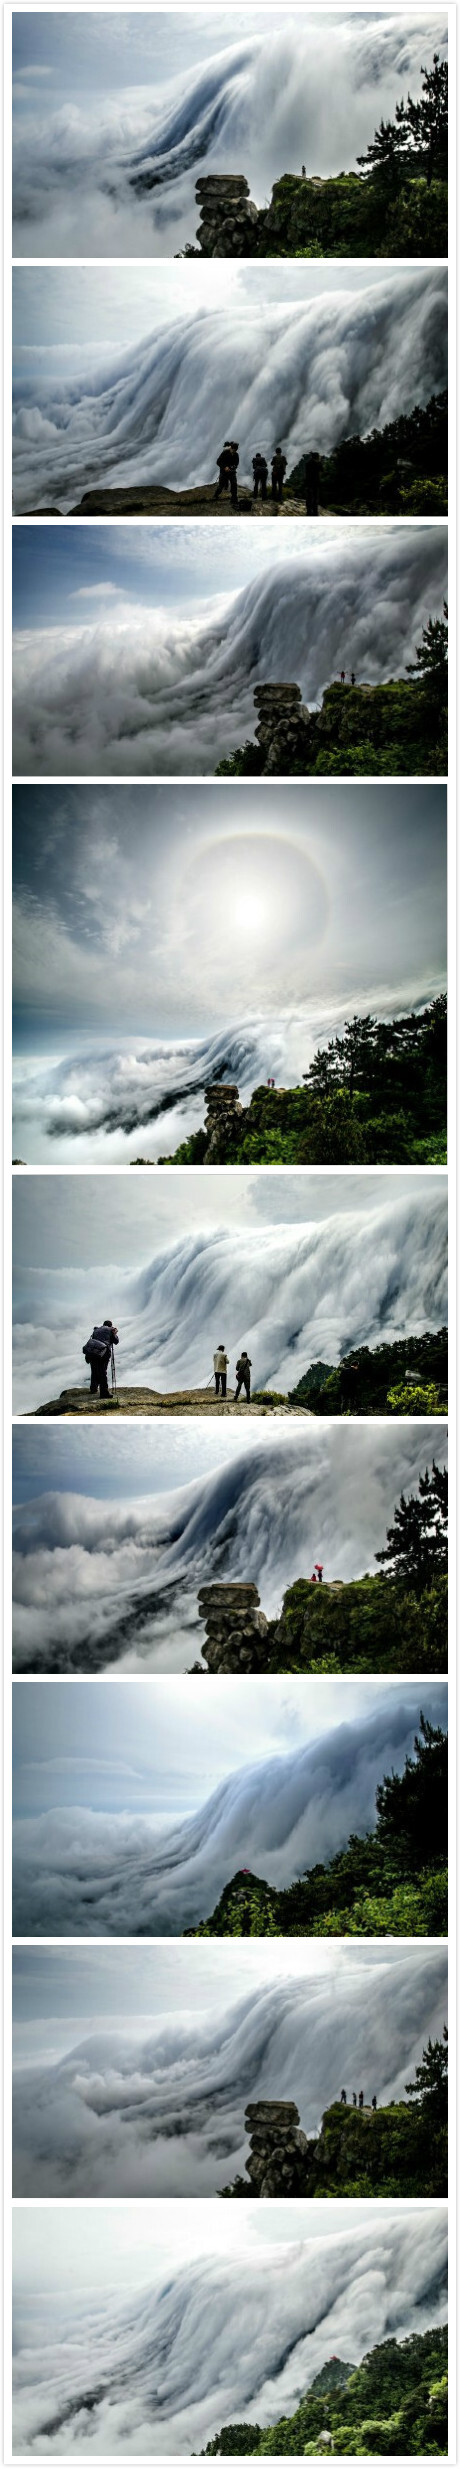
[
  {"x": 396, "y": 1622},
  {"x": 365, "y": 1380},
  {"x": 391, "y": 1882},
  {"x": 394, "y": 205},
  {"x": 398, "y": 2150},
  {"x": 400, "y": 469},
  {"x": 369, "y": 1626},
  {"x": 398, "y": 727},
  {"x": 374, "y": 1096},
  {"x": 394, "y": 2404}
]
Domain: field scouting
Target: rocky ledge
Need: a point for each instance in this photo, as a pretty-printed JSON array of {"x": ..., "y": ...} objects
[{"x": 150, "y": 1402}]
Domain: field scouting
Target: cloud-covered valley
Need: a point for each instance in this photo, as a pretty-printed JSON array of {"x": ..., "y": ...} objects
[
  {"x": 219, "y": 2337},
  {"x": 162, "y": 2112},
  {"x": 148, "y": 691},
  {"x": 312, "y": 90},
  {"x": 92, "y": 1870},
  {"x": 111, "y": 1584},
  {"x": 309, "y": 373}
]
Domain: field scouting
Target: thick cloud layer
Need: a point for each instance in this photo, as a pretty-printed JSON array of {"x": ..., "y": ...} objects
[
  {"x": 291, "y": 1294},
  {"x": 221, "y": 2340},
  {"x": 164, "y": 2115},
  {"x": 82, "y": 1872},
  {"x": 312, "y": 92},
  {"x": 161, "y": 694},
  {"x": 106, "y": 1106},
  {"x": 307, "y": 374},
  {"x": 112, "y": 1584}
]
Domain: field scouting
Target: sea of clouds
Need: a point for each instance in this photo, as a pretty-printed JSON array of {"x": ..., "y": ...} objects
[
  {"x": 112, "y": 1584},
  {"x": 308, "y": 92},
  {"x": 81, "y": 1872},
  {"x": 221, "y": 2340},
  {"x": 291, "y": 1294},
  {"x": 307, "y": 373},
  {"x": 106, "y": 1104},
  {"x": 162, "y": 2113},
  {"x": 152, "y": 692}
]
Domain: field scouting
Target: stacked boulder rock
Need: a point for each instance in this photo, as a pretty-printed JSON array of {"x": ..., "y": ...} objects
[
  {"x": 279, "y": 2154},
  {"x": 228, "y": 219},
  {"x": 235, "y": 1629},
  {"x": 283, "y": 721},
  {"x": 223, "y": 1111}
]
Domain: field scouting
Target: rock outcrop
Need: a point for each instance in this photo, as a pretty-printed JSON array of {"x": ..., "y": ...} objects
[
  {"x": 174, "y": 1402},
  {"x": 283, "y": 721},
  {"x": 223, "y": 1112},
  {"x": 236, "y": 1629},
  {"x": 229, "y": 222},
  {"x": 279, "y": 2151}
]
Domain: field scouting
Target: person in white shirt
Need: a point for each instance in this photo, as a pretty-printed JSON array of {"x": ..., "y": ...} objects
[{"x": 220, "y": 1370}]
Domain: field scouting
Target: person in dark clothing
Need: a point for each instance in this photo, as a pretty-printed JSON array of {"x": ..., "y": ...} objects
[
  {"x": 312, "y": 483},
  {"x": 319, "y": 1565},
  {"x": 227, "y": 464},
  {"x": 260, "y": 470},
  {"x": 97, "y": 1353},
  {"x": 353, "y": 679},
  {"x": 361, "y": 2100},
  {"x": 343, "y": 2097},
  {"x": 342, "y": 677},
  {"x": 243, "y": 1376},
  {"x": 279, "y": 467}
]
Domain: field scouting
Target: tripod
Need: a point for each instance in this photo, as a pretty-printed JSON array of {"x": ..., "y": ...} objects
[{"x": 114, "y": 1376}]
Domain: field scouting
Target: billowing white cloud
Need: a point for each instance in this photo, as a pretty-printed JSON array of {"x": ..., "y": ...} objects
[
  {"x": 312, "y": 91},
  {"x": 294, "y": 1294},
  {"x": 148, "y": 692},
  {"x": 82, "y": 1871},
  {"x": 126, "y": 2114},
  {"x": 309, "y": 374},
  {"x": 221, "y": 2339},
  {"x": 112, "y": 1583}
]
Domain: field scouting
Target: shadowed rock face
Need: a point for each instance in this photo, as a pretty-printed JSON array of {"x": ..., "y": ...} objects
[
  {"x": 236, "y": 1629},
  {"x": 282, "y": 721},
  {"x": 223, "y": 1112},
  {"x": 279, "y": 2150},
  {"x": 228, "y": 219}
]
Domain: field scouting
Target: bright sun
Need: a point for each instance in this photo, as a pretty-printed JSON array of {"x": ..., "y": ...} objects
[{"x": 261, "y": 891}]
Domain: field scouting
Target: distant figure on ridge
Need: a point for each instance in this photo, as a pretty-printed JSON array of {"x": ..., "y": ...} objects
[
  {"x": 243, "y": 1375},
  {"x": 220, "y": 1370},
  {"x": 227, "y": 464},
  {"x": 260, "y": 470},
  {"x": 97, "y": 1353},
  {"x": 343, "y": 2097},
  {"x": 279, "y": 466}
]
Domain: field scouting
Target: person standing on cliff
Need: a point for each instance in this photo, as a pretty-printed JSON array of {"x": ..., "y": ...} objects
[
  {"x": 243, "y": 1376},
  {"x": 279, "y": 466},
  {"x": 97, "y": 1353},
  {"x": 220, "y": 1360},
  {"x": 260, "y": 470},
  {"x": 227, "y": 465}
]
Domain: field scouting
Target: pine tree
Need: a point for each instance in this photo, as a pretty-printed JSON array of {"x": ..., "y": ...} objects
[
  {"x": 430, "y": 665},
  {"x": 425, "y": 124},
  {"x": 429, "y": 2088},
  {"x": 382, "y": 161},
  {"x": 416, "y": 1546}
]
